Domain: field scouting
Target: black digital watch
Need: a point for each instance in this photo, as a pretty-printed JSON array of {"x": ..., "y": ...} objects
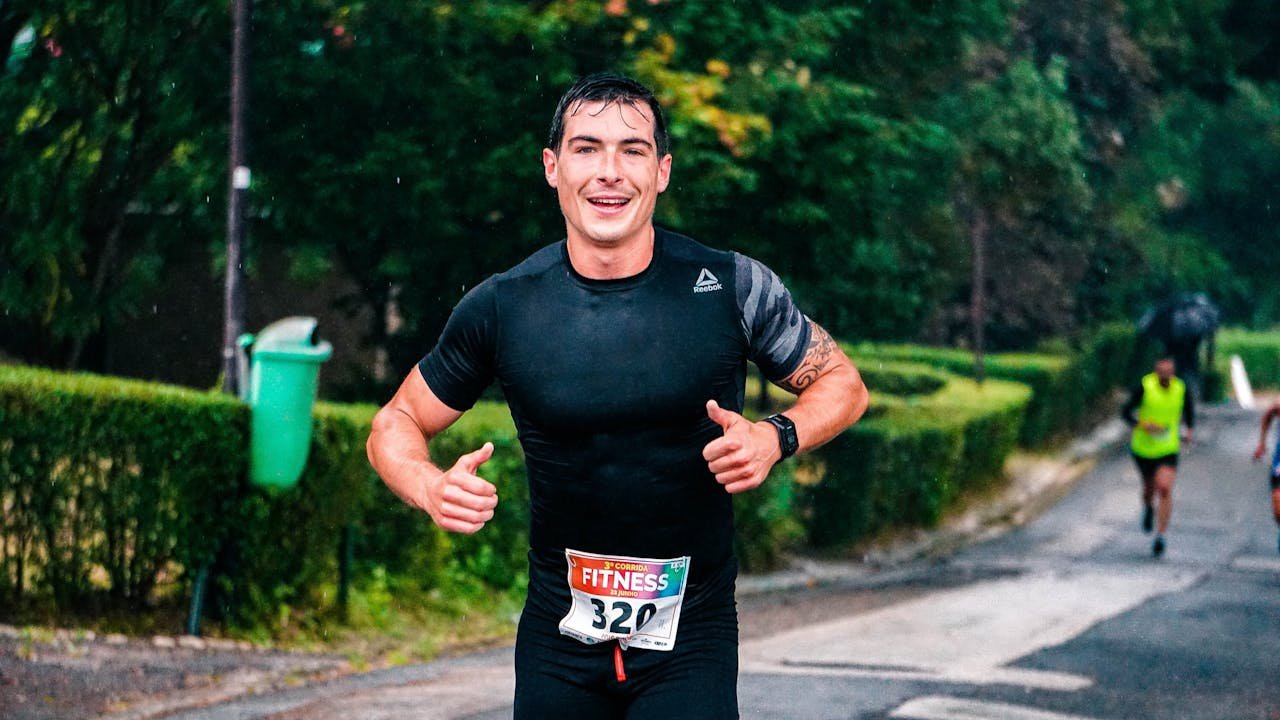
[{"x": 788, "y": 442}]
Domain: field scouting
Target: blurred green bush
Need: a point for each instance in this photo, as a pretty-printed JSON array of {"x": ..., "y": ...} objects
[
  {"x": 904, "y": 465},
  {"x": 1259, "y": 350},
  {"x": 1065, "y": 384},
  {"x": 105, "y": 482}
]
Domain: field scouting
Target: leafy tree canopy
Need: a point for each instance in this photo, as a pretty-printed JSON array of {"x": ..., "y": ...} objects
[{"x": 1111, "y": 149}]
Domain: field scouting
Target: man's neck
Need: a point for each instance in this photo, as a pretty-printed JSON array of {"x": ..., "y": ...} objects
[{"x": 611, "y": 262}]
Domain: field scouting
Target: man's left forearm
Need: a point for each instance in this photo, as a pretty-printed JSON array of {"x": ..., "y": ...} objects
[{"x": 830, "y": 394}]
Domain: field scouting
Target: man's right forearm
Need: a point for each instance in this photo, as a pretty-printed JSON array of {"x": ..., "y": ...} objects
[{"x": 398, "y": 451}]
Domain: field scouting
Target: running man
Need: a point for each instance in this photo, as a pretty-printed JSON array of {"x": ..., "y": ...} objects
[
  {"x": 1157, "y": 409},
  {"x": 1267, "y": 417},
  {"x": 622, "y": 354}
]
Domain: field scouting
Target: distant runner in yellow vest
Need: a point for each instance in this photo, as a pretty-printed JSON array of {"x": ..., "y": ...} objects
[{"x": 1157, "y": 409}]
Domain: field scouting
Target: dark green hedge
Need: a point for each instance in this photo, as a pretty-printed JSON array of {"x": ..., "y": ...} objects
[
  {"x": 1054, "y": 380},
  {"x": 895, "y": 377},
  {"x": 1064, "y": 384},
  {"x": 1110, "y": 358},
  {"x": 904, "y": 465},
  {"x": 1259, "y": 350},
  {"x": 105, "y": 482},
  {"x": 110, "y": 487}
]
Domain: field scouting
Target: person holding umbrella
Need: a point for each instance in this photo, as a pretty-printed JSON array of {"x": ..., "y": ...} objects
[
  {"x": 1157, "y": 409},
  {"x": 1182, "y": 323}
]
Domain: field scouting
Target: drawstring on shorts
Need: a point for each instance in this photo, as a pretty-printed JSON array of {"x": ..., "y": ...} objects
[{"x": 618, "y": 669}]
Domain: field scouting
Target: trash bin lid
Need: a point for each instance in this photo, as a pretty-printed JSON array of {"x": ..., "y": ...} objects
[{"x": 291, "y": 337}]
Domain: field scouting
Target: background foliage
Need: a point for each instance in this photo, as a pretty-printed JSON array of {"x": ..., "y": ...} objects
[{"x": 1110, "y": 151}]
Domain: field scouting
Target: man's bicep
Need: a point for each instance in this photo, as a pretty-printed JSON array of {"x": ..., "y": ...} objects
[
  {"x": 416, "y": 400},
  {"x": 821, "y": 356}
]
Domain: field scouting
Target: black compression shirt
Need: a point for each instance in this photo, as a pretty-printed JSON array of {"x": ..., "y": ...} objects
[{"x": 607, "y": 381}]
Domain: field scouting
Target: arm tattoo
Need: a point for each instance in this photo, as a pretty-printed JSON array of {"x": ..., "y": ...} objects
[{"x": 816, "y": 358}]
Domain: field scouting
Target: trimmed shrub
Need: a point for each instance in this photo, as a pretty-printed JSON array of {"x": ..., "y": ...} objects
[
  {"x": 900, "y": 378},
  {"x": 109, "y": 487},
  {"x": 766, "y": 522},
  {"x": 1064, "y": 386},
  {"x": 1109, "y": 358},
  {"x": 1055, "y": 381},
  {"x": 1260, "y": 351},
  {"x": 908, "y": 462},
  {"x": 105, "y": 482}
]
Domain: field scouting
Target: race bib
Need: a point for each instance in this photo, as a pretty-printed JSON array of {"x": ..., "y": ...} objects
[{"x": 635, "y": 601}]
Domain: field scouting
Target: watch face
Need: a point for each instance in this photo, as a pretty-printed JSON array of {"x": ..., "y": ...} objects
[{"x": 790, "y": 435}]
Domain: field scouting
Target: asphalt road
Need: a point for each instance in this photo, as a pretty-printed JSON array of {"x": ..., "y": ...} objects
[{"x": 1066, "y": 617}]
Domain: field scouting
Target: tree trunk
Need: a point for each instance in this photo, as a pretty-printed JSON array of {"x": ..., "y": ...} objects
[{"x": 978, "y": 293}]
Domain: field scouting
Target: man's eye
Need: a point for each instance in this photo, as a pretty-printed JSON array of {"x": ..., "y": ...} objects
[{"x": 585, "y": 149}]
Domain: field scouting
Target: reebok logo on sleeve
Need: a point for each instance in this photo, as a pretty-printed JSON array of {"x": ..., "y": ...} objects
[{"x": 707, "y": 282}]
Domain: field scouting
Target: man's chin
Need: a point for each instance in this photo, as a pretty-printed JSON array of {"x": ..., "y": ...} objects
[{"x": 608, "y": 236}]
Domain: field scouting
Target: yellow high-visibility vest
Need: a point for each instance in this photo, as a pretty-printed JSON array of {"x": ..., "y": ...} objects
[{"x": 1163, "y": 406}]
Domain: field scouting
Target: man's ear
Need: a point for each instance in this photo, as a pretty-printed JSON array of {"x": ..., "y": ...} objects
[
  {"x": 664, "y": 172},
  {"x": 549, "y": 164}
]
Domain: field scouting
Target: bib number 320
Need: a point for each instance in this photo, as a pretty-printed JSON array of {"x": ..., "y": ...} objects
[
  {"x": 635, "y": 601},
  {"x": 621, "y": 613}
]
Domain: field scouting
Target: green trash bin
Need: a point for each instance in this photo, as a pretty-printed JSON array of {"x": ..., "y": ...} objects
[{"x": 284, "y": 366}]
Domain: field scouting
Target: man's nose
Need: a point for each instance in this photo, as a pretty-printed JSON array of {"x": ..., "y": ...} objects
[{"x": 608, "y": 169}]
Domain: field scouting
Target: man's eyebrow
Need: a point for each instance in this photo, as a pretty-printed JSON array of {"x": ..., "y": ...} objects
[{"x": 625, "y": 141}]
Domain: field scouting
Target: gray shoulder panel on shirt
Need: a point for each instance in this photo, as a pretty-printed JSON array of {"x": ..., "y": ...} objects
[{"x": 776, "y": 331}]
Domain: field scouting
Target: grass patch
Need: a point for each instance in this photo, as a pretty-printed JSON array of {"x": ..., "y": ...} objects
[{"x": 395, "y": 621}]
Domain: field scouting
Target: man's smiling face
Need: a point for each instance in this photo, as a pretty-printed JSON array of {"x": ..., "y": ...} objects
[{"x": 607, "y": 172}]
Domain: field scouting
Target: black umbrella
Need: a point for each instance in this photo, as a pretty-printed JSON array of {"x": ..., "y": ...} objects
[{"x": 1183, "y": 318}]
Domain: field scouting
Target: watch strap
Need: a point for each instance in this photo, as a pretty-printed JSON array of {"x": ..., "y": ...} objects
[{"x": 788, "y": 441}]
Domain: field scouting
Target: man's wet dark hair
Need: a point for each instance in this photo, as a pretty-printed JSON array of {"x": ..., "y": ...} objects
[{"x": 609, "y": 88}]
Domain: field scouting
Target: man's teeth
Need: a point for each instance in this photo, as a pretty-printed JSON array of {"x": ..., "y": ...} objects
[{"x": 609, "y": 201}]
